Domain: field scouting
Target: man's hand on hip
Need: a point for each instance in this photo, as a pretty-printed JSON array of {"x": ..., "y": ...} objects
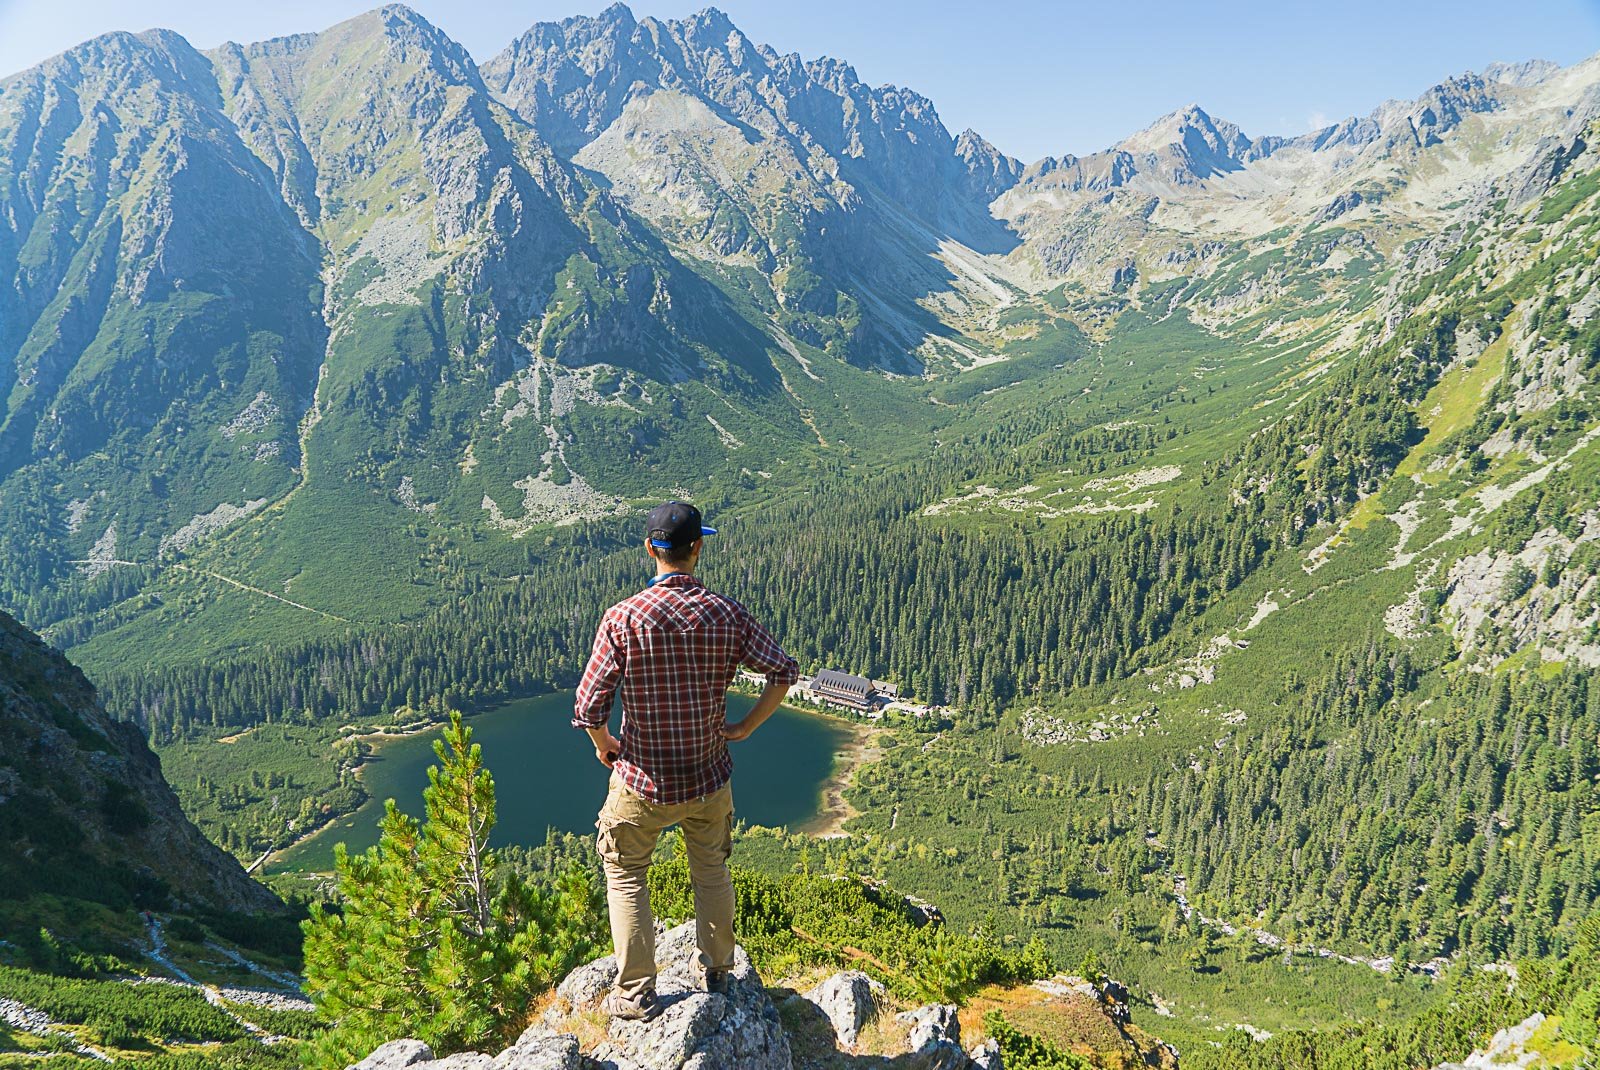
[
  {"x": 771, "y": 695},
  {"x": 606, "y": 746},
  {"x": 734, "y": 731}
]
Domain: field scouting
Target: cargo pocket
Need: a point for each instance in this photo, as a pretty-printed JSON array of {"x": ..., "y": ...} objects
[{"x": 605, "y": 841}]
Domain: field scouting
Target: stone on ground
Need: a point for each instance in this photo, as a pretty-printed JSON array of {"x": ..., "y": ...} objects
[
  {"x": 396, "y": 1054},
  {"x": 849, "y": 1000}
]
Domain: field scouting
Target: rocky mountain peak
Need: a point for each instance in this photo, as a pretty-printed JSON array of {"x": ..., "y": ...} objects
[
  {"x": 404, "y": 36},
  {"x": 618, "y": 14},
  {"x": 1188, "y": 145},
  {"x": 1529, "y": 72},
  {"x": 710, "y": 21},
  {"x": 1196, "y": 132},
  {"x": 119, "y": 62},
  {"x": 990, "y": 172}
]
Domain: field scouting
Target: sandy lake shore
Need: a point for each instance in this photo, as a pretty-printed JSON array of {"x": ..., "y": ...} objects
[{"x": 861, "y": 749}]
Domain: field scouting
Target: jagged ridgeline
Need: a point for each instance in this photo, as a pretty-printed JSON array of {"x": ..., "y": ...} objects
[{"x": 1238, "y": 493}]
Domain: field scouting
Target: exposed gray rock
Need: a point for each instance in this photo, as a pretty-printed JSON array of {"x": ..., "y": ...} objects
[
  {"x": 986, "y": 1056},
  {"x": 1544, "y": 168},
  {"x": 1345, "y": 202},
  {"x": 395, "y": 1054},
  {"x": 696, "y": 1029},
  {"x": 542, "y": 1052},
  {"x": 935, "y": 1038},
  {"x": 589, "y": 984},
  {"x": 849, "y": 1000},
  {"x": 466, "y": 1060},
  {"x": 1508, "y": 1047}
]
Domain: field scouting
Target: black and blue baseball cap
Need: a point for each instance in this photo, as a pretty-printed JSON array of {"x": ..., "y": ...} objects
[{"x": 675, "y": 525}]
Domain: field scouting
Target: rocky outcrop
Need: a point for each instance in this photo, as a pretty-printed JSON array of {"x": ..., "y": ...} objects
[
  {"x": 1544, "y": 169},
  {"x": 1501, "y": 601},
  {"x": 699, "y": 1030},
  {"x": 529, "y": 1053},
  {"x": 849, "y": 1000},
  {"x": 986, "y": 1056},
  {"x": 696, "y": 1029},
  {"x": 84, "y": 809},
  {"x": 1508, "y": 1047},
  {"x": 935, "y": 1038}
]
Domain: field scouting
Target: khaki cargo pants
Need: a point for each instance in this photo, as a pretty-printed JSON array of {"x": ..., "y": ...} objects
[{"x": 628, "y": 829}]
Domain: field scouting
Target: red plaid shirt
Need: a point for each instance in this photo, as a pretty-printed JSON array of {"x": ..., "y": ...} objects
[{"x": 674, "y": 648}]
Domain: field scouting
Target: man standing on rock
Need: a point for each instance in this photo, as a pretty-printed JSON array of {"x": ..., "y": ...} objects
[{"x": 673, "y": 649}]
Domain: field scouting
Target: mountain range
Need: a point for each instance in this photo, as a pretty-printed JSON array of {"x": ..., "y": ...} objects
[{"x": 354, "y": 280}]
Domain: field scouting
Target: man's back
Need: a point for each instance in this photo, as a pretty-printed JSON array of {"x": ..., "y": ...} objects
[{"x": 674, "y": 648}]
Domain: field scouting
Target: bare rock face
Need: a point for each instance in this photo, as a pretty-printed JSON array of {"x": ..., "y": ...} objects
[
  {"x": 535, "y": 1052},
  {"x": 986, "y": 1056},
  {"x": 696, "y": 1030},
  {"x": 849, "y": 1000},
  {"x": 532, "y": 1052}
]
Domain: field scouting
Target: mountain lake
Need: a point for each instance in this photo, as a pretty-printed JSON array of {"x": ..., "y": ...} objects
[{"x": 545, "y": 776}]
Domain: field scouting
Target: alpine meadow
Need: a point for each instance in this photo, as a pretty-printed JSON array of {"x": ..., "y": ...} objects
[{"x": 1215, "y": 518}]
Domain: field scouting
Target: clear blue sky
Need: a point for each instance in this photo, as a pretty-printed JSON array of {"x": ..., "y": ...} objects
[{"x": 1034, "y": 77}]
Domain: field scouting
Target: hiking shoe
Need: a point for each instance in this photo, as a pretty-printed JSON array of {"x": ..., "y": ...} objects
[
  {"x": 717, "y": 981},
  {"x": 642, "y": 1010}
]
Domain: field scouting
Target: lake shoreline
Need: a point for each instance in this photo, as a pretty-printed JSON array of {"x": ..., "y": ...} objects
[
  {"x": 378, "y": 737},
  {"x": 861, "y": 750}
]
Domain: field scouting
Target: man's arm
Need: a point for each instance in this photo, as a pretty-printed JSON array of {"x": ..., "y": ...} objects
[
  {"x": 596, "y": 691},
  {"x": 771, "y": 698},
  {"x": 762, "y": 654}
]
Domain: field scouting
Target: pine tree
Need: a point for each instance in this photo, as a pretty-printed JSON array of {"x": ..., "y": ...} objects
[{"x": 430, "y": 941}]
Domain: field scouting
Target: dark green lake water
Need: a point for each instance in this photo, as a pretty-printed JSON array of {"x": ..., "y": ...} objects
[{"x": 545, "y": 775}]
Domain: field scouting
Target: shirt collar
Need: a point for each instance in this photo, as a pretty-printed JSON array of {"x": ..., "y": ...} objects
[{"x": 674, "y": 579}]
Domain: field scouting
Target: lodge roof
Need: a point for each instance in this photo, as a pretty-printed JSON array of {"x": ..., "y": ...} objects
[{"x": 843, "y": 681}]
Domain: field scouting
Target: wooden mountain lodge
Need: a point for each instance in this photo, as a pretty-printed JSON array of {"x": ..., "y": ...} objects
[{"x": 852, "y": 692}]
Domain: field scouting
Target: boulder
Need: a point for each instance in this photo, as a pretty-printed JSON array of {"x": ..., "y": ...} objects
[
  {"x": 986, "y": 1056},
  {"x": 589, "y": 984},
  {"x": 696, "y": 1030},
  {"x": 536, "y": 1052},
  {"x": 849, "y": 1000},
  {"x": 396, "y": 1054},
  {"x": 935, "y": 1038}
]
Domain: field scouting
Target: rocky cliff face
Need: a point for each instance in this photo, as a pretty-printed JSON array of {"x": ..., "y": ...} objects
[{"x": 84, "y": 810}]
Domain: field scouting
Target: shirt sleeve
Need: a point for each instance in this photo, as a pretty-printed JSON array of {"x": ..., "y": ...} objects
[
  {"x": 597, "y": 689},
  {"x": 761, "y": 653}
]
